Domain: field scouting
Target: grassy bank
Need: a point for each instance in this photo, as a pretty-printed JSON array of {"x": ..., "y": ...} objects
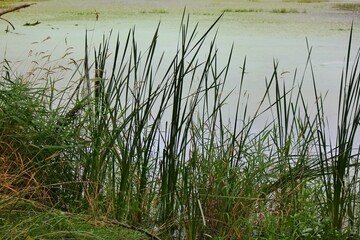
[
  {"x": 24, "y": 219},
  {"x": 125, "y": 141}
]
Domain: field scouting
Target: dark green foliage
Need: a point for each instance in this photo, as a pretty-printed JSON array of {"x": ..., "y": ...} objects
[{"x": 33, "y": 140}]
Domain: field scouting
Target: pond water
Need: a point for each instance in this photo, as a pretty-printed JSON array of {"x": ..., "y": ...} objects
[{"x": 257, "y": 33}]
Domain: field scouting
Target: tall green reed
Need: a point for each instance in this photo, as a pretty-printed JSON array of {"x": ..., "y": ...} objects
[
  {"x": 145, "y": 141},
  {"x": 339, "y": 163}
]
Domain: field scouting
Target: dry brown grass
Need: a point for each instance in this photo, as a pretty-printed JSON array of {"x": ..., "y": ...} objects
[{"x": 18, "y": 176}]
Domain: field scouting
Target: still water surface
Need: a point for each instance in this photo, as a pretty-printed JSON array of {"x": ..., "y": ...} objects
[{"x": 262, "y": 37}]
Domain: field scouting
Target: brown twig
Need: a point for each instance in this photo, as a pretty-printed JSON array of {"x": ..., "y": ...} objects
[{"x": 150, "y": 235}]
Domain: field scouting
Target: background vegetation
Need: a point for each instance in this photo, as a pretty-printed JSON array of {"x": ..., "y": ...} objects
[{"x": 124, "y": 143}]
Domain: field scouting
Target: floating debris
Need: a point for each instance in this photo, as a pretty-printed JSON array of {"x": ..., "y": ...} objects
[{"x": 32, "y": 24}]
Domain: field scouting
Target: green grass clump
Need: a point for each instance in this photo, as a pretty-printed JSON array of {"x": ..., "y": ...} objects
[
  {"x": 306, "y": 1},
  {"x": 284, "y": 10},
  {"x": 311, "y": 1},
  {"x": 348, "y": 6},
  {"x": 151, "y": 148},
  {"x": 4, "y": 6},
  {"x": 155, "y": 11},
  {"x": 28, "y": 220},
  {"x": 242, "y": 10},
  {"x": 79, "y": 13}
]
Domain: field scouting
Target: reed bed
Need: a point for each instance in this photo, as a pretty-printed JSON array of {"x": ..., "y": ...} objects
[{"x": 153, "y": 150}]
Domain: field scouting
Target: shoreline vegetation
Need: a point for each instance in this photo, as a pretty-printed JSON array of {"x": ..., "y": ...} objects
[
  {"x": 154, "y": 152},
  {"x": 109, "y": 10},
  {"x": 125, "y": 151}
]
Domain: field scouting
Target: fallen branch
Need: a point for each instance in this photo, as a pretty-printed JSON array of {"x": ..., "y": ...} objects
[{"x": 13, "y": 9}]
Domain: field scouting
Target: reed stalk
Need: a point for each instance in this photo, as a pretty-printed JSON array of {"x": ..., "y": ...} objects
[{"x": 145, "y": 141}]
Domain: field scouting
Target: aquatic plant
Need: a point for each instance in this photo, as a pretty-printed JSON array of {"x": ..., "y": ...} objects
[
  {"x": 348, "y": 6},
  {"x": 155, "y": 11},
  {"x": 284, "y": 10},
  {"x": 339, "y": 163},
  {"x": 312, "y": 1},
  {"x": 242, "y": 10},
  {"x": 144, "y": 141}
]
